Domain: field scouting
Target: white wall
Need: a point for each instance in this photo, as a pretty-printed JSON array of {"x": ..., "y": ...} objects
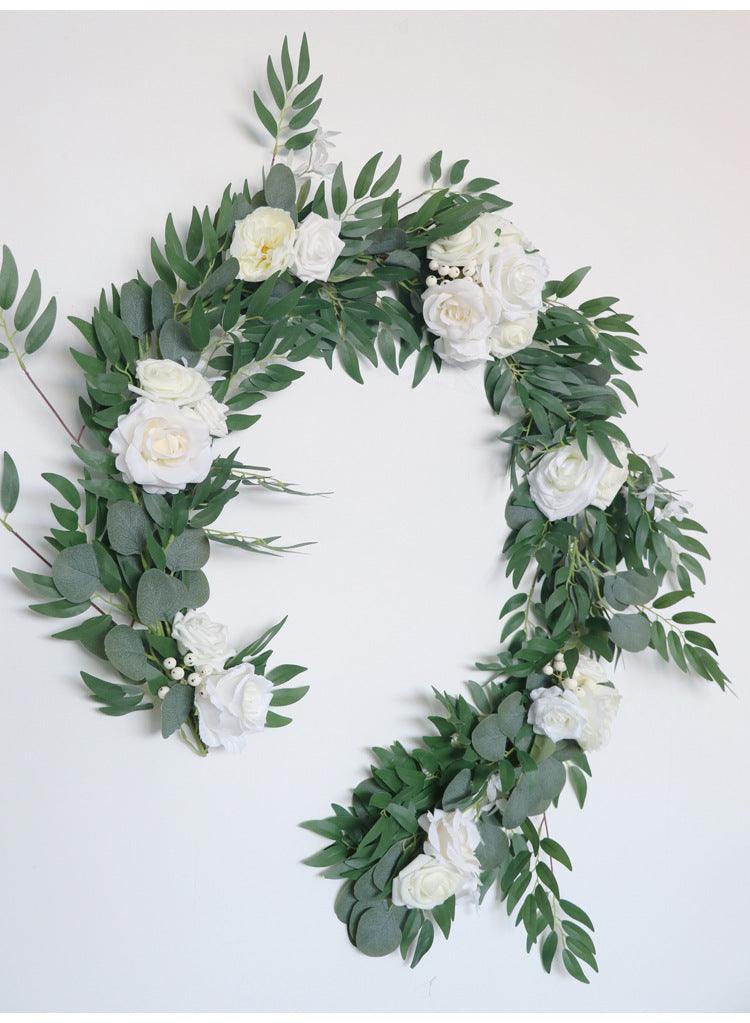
[{"x": 136, "y": 876}]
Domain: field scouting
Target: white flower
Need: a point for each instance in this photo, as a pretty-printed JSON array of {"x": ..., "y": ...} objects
[
  {"x": 161, "y": 446},
  {"x": 317, "y": 246},
  {"x": 509, "y": 336},
  {"x": 313, "y": 160},
  {"x": 556, "y": 714},
  {"x": 515, "y": 278},
  {"x": 599, "y": 701},
  {"x": 425, "y": 883},
  {"x": 457, "y": 312},
  {"x": 452, "y": 837},
  {"x": 213, "y": 413},
  {"x": 563, "y": 482},
  {"x": 505, "y": 231},
  {"x": 205, "y": 639},
  {"x": 231, "y": 705},
  {"x": 167, "y": 380},
  {"x": 263, "y": 243},
  {"x": 613, "y": 478}
]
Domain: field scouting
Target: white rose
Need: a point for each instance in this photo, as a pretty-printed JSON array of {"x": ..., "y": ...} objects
[
  {"x": 317, "y": 246},
  {"x": 598, "y": 700},
  {"x": 510, "y": 336},
  {"x": 167, "y": 380},
  {"x": 161, "y": 446},
  {"x": 613, "y": 478},
  {"x": 231, "y": 705},
  {"x": 213, "y": 413},
  {"x": 453, "y": 838},
  {"x": 425, "y": 883},
  {"x": 505, "y": 231},
  {"x": 457, "y": 312},
  {"x": 205, "y": 639},
  {"x": 563, "y": 482},
  {"x": 556, "y": 714},
  {"x": 263, "y": 243},
  {"x": 515, "y": 278}
]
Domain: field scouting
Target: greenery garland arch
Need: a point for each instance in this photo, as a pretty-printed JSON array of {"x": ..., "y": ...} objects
[{"x": 465, "y": 810}]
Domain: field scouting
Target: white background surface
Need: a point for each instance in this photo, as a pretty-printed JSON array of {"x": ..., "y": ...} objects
[{"x": 137, "y": 876}]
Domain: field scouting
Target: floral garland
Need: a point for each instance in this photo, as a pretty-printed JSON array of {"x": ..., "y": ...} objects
[{"x": 599, "y": 545}]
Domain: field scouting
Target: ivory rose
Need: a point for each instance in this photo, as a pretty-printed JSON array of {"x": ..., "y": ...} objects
[
  {"x": 205, "y": 639},
  {"x": 556, "y": 714},
  {"x": 161, "y": 446},
  {"x": 510, "y": 336},
  {"x": 231, "y": 705},
  {"x": 425, "y": 883},
  {"x": 514, "y": 279},
  {"x": 317, "y": 246},
  {"x": 457, "y": 312},
  {"x": 167, "y": 380},
  {"x": 599, "y": 701},
  {"x": 564, "y": 482}
]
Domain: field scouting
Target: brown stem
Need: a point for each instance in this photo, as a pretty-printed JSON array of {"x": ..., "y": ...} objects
[
  {"x": 50, "y": 406},
  {"x": 42, "y": 557}
]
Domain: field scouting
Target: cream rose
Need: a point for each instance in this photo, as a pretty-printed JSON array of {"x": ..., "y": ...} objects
[
  {"x": 161, "y": 446},
  {"x": 470, "y": 246},
  {"x": 598, "y": 700},
  {"x": 515, "y": 278},
  {"x": 505, "y": 231},
  {"x": 453, "y": 838},
  {"x": 201, "y": 636},
  {"x": 509, "y": 336},
  {"x": 317, "y": 246},
  {"x": 231, "y": 705},
  {"x": 263, "y": 243},
  {"x": 167, "y": 380},
  {"x": 457, "y": 312},
  {"x": 425, "y": 883},
  {"x": 613, "y": 478},
  {"x": 563, "y": 482},
  {"x": 556, "y": 714}
]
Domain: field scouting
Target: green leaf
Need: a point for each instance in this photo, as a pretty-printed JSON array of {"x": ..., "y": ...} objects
[
  {"x": 366, "y": 176},
  {"x": 41, "y": 585},
  {"x": 387, "y": 179},
  {"x": 435, "y": 165},
  {"x": 175, "y": 708},
  {"x": 511, "y": 714},
  {"x": 576, "y": 913},
  {"x": 284, "y": 673},
  {"x": 488, "y": 739},
  {"x": 630, "y": 632},
  {"x": 303, "y": 64},
  {"x": 65, "y": 488},
  {"x": 127, "y": 527},
  {"x": 124, "y": 649},
  {"x": 277, "y": 90},
  {"x": 42, "y": 328},
  {"x": 159, "y": 596},
  {"x": 457, "y": 171},
  {"x": 573, "y": 966},
  {"x": 378, "y": 932},
  {"x": 556, "y": 851},
  {"x": 458, "y": 789},
  {"x": 264, "y": 114},
  {"x": 338, "y": 190},
  {"x": 280, "y": 189},
  {"x": 135, "y": 308},
  {"x": 8, "y": 279},
  {"x": 424, "y": 942},
  {"x": 10, "y": 487},
  {"x": 190, "y": 550},
  {"x": 286, "y": 65},
  {"x": 571, "y": 282},
  {"x": 175, "y": 343},
  {"x": 29, "y": 304},
  {"x": 76, "y": 574},
  {"x": 548, "y": 951}
]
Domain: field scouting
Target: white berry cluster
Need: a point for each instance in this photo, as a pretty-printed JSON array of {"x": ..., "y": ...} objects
[
  {"x": 451, "y": 273},
  {"x": 556, "y": 665},
  {"x": 177, "y": 672}
]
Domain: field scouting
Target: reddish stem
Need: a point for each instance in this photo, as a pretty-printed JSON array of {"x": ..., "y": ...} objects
[{"x": 50, "y": 406}]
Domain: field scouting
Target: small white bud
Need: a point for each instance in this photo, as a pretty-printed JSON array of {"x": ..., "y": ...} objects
[
  {"x": 194, "y": 678},
  {"x": 189, "y": 659},
  {"x": 177, "y": 674},
  {"x": 431, "y": 281},
  {"x": 547, "y": 669},
  {"x": 169, "y": 663},
  {"x": 205, "y": 669},
  {"x": 163, "y": 690},
  {"x": 434, "y": 264},
  {"x": 443, "y": 270}
]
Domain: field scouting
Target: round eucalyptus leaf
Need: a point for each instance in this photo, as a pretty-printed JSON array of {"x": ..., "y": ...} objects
[
  {"x": 159, "y": 596},
  {"x": 190, "y": 550},
  {"x": 630, "y": 632},
  {"x": 174, "y": 343},
  {"x": 127, "y": 527},
  {"x": 345, "y": 902},
  {"x": 488, "y": 739},
  {"x": 511, "y": 714},
  {"x": 135, "y": 308},
  {"x": 75, "y": 573},
  {"x": 378, "y": 932},
  {"x": 124, "y": 649},
  {"x": 198, "y": 590},
  {"x": 534, "y": 792}
]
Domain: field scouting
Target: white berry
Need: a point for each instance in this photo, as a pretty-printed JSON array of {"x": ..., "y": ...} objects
[
  {"x": 194, "y": 678},
  {"x": 443, "y": 270},
  {"x": 453, "y": 272},
  {"x": 205, "y": 669},
  {"x": 547, "y": 669},
  {"x": 469, "y": 269},
  {"x": 434, "y": 264},
  {"x": 163, "y": 690},
  {"x": 431, "y": 281},
  {"x": 169, "y": 663},
  {"x": 177, "y": 674},
  {"x": 189, "y": 659}
]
